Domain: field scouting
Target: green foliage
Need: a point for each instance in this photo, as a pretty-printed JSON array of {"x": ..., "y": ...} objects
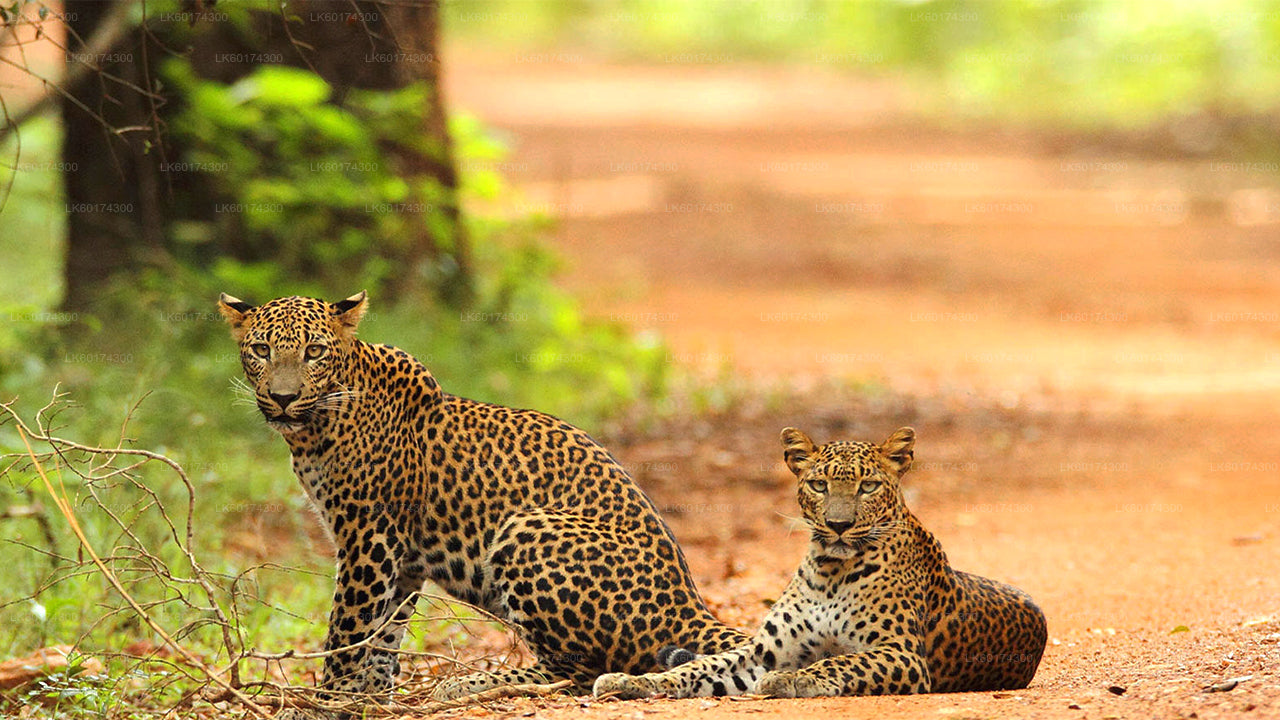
[
  {"x": 1083, "y": 62},
  {"x": 314, "y": 197},
  {"x": 526, "y": 343}
]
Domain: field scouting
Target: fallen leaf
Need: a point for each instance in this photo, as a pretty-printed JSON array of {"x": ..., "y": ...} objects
[
  {"x": 1117, "y": 690},
  {"x": 20, "y": 671},
  {"x": 1228, "y": 684},
  {"x": 1180, "y": 628}
]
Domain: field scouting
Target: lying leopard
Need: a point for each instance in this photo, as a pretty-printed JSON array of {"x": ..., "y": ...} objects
[
  {"x": 875, "y": 609},
  {"x": 511, "y": 510}
]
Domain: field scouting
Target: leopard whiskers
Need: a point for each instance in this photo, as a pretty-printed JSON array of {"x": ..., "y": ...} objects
[
  {"x": 243, "y": 393},
  {"x": 337, "y": 399},
  {"x": 239, "y": 386},
  {"x": 796, "y": 523},
  {"x": 873, "y": 533}
]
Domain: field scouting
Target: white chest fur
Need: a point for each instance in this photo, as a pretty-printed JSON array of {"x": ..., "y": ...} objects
[{"x": 310, "y": 474}]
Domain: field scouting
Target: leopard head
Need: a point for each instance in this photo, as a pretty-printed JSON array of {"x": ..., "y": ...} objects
[
  {"x": 293, "y": 351},
  {"x": 849, "y": 491}
]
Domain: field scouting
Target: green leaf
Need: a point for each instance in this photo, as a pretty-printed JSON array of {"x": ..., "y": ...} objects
[
  {"x": 279, "y": 86},
  {"x": 339, "y": 127}
]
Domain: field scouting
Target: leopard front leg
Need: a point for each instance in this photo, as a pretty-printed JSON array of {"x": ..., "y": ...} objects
[
  {"x": 886, "y": 670},
  {"x": 370, "y": 599}
]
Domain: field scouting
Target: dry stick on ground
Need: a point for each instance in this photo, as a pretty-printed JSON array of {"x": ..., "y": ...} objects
[
  {"x": 376, "y": 707},
  {"x": 498, "y": 693},
  {"x": 302, "y": 697}
]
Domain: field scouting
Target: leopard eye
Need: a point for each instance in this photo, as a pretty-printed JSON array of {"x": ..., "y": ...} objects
[
  {"x": 315, "y": 352},
  {"x": 869, "y": 486},
  {"x": 262, "y": 350},
  {"x": 818, "y": 486}
]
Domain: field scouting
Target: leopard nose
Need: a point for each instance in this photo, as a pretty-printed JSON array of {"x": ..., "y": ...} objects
[
  {"x": 284, "y": 400},
  {"x": 838, "y": 526}
]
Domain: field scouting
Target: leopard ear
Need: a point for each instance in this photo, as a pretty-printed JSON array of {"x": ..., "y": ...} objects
[
  {"x": 797, "y": 450},
  {"x": 899, "y": 450},
  {"x": 348, "y": 312},
  {"x": 234, "y": 310}
]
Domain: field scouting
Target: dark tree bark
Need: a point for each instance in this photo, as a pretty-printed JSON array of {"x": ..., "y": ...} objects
[
  {"x": 423, "y": 42},
  {"x": 351, "y": 44},
  {"x": 114, "y": 216}
]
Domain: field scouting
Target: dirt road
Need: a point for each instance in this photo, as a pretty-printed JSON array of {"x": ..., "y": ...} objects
[{"x": 1087, "y": 341}]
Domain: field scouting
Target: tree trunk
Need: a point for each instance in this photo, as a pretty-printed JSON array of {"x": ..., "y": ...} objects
[
  {"x": 114, "y": 217},
  {"x": 351, "y": 44},
  {"x": 420, "y": 53}
]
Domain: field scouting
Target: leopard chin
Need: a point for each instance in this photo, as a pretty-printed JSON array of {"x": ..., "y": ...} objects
[
  {"x": 838, "y": 550},
  {"x": 284, "y": 425}
]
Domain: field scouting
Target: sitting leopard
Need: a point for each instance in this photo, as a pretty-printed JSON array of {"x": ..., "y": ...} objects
[
  {"x": 510, "y": 510},
  {"x": 874, "y": 609}
]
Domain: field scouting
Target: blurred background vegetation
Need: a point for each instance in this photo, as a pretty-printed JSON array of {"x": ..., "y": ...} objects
[
  {"x": 1072, "y": 63},
  {"x": 335, "y": 188}
]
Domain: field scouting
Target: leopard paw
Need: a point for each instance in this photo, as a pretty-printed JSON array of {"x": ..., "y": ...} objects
[
  {"x": 788, "y": 684},
  {"x": 625, "y": 687},
  {"x": 778, "y": 683}
]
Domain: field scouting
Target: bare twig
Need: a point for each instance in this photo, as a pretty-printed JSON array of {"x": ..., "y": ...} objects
[{"x": 113, "y": 28}]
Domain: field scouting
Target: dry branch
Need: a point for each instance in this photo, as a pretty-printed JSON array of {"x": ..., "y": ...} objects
[{"x": 498, "y": 693}]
